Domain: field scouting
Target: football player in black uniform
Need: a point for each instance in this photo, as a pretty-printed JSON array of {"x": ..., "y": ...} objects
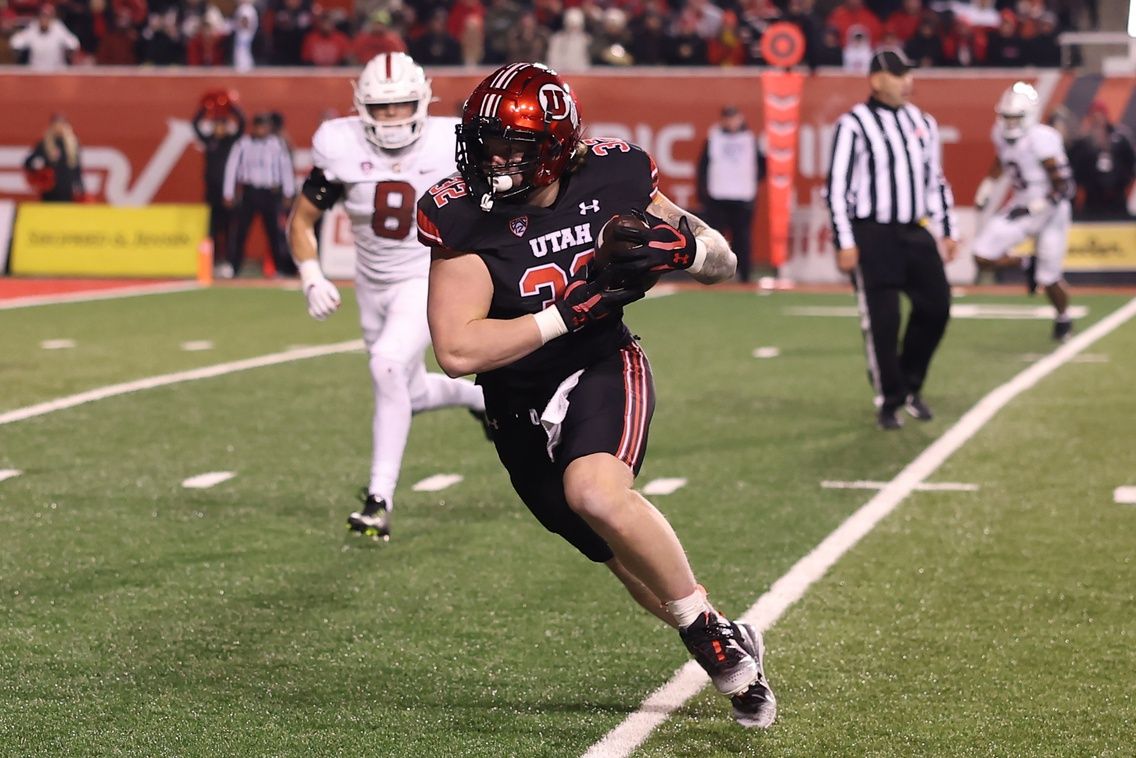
[{"x": 568, "y": 390}]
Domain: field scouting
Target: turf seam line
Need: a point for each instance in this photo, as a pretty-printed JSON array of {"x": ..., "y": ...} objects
[
  {"x": 30, "y": 301},
  {"x": 791, "y": 587},
  {"x": 164, "y": 380}
]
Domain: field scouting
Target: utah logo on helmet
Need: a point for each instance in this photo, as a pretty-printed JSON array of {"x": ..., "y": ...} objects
[
  {"x": 520, "y": 126},
  {"x": 392, "y": 78}
]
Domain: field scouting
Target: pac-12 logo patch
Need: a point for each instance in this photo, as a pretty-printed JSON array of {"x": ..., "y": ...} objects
[
  {"x": 519, "y": 225},
  {"x": 557, "y": 103}
]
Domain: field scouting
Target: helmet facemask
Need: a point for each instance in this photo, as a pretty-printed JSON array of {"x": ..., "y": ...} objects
[
  {"x": 503, "y": 163},
  {"x": 1017, "y": 111},
  {"x": 388, "y": 79}
]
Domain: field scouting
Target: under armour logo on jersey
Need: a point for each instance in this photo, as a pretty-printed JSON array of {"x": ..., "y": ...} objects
[
  {"x": 593, "y": 206},
  {"x": 519, "y": 225}
]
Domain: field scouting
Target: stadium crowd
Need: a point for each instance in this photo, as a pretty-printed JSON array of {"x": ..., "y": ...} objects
[{"x": 570, "y": 35}]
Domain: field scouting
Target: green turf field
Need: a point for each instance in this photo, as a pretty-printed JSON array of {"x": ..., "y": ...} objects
[{"x": 139, "y": 618}]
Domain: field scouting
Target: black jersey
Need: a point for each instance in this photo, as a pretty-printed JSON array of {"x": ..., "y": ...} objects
[{"x": 532, "y": 252}]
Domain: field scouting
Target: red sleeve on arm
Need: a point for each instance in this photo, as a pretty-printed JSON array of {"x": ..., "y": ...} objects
[{"x": 428, "y": 233}]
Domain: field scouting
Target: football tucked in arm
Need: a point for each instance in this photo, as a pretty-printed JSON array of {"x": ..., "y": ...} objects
[{"x": 611, "y": 245}]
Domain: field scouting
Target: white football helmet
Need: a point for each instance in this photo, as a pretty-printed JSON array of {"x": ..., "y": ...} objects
[
  {"x": 392, "y": 78},
  {"x": 1017, "y": 110}
]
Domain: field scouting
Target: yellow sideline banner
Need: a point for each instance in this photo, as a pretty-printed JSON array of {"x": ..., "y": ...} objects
[
  {"x": 1102, "y": 246},
  {"x": 69, "y": 239}
]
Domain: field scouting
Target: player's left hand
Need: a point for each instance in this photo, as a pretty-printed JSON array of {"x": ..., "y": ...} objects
[
  {"x": 948, "y": 248},
  {"x": 659, "y": 248}
]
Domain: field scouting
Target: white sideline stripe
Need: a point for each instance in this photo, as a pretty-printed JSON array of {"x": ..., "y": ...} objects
[
  {"x": 9, "y": 473},
  {"x": 1083, "y": 358},
  {"x": 162, "y": 380},
  {"x": 863, "y": 484},
  {"x": 194, "y": 346},
  {"x": 59, "y": 344},
  {"x": 1122, "y": 495},
  {"x": 688, "y": 680},
  {"x": 766, "y": 352},
  {"x": 664, "y": 486},
  {"x": 133, "y": 290},
  {"x": 958, "y": 310},
  {"x": 207, "y": 480},
  {"x": 437, "y": 482}
]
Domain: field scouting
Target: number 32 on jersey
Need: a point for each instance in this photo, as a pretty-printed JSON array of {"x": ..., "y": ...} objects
[{"x": 550, "y": 279}]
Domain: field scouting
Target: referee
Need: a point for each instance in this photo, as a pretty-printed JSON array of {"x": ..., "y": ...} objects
[
  {"x": 259, "y": 180},
  {"x": 885, "y": 190}
]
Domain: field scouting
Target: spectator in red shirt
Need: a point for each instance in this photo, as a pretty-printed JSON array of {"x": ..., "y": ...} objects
[
  {"x": 729, "y": 47},
  {"x": 325, "y": 45},
  {"x": 207, "y": 46},
  {"x": 376, "y": 37},
  {"x": 116, "y": 48},
  {"x": 963, "y": 46},
  {"x": 852, "y": 13},
  {"x": 460, "y": 14},
  {"x": 905, "y": 21}
]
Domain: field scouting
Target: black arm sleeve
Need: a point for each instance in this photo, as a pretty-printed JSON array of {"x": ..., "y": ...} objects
[{"x": 321, "y": 191}]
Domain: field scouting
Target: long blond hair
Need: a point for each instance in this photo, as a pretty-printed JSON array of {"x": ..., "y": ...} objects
[{"x": 66, "y": 135}]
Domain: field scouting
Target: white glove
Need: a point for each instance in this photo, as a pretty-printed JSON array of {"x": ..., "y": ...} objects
[
  {"x": 982, "y": 195},
  {"x": 323, "y": 297},
  {"x": 1039, "y": 205}
]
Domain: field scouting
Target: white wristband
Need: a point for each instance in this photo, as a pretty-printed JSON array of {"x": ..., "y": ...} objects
[
  {"x": 550, "y": 323},
  {"x": 699, "y": 256},
  {"x": 310, "y": 272}
]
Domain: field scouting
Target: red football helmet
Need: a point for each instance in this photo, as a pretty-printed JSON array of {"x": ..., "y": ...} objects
[{"x": 519, "y": 128}]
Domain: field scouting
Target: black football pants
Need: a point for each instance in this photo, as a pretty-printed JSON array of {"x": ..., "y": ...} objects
[
  {"x": 897, "y": 258},
  {"x": 269, "y": 205}
]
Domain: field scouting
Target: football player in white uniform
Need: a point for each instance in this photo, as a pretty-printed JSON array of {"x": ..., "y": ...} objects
[
  {"x": 379, "y": 163},
  {"x": 1042, "y": 184}
]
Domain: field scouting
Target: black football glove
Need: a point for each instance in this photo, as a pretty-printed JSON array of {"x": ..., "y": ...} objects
[
  {"x": 660, "y": 248},
  {"x": 585, "y": 302}
]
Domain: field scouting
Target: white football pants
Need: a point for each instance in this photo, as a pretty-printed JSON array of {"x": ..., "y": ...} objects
[
  {"x": 1002, "y": 234},
  {"x": 393, "y": 317}
]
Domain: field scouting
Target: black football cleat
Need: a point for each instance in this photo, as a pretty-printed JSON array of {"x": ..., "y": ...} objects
[
  {"x": 716, "y": 645},
  {"x": 374, "y": 520},
  {"x": 1062, "y": 330},
  {"x": 755, "y": 707},
  {"x": 888, "y": 420},
  {"x": 917, "y": 409}
]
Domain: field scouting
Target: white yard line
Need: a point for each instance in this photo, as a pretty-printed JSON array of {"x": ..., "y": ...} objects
[
  {"x": 195, "y": 346},
  {"x": 1122, "y": 495},
  {"x": 766, "y": 352},
  {"x": 958, "y": 310},
  {"x": 207, "y": 480},
  {"x": 437, "y": 482},
  {"x": 664, "y": 486},
  {"x": 9, "y": 473},
  {"x": 863, "y": 484},
  {"x": 162, "y": 380},
  {"x": 791, "y": 587},
  {"x": 57, "y": 344},
  {"x": 130, "y": 290}
]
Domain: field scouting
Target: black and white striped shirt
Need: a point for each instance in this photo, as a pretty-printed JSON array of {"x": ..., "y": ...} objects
[
  {"x": 263, "y": 163},
  {"x": 887, "y": 167}
]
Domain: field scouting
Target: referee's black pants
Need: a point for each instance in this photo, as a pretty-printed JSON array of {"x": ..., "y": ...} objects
[
  {"x": 897, "y": 258},
  {"x": 735, "y": 219},
  {"x": 269, "y": 205}
]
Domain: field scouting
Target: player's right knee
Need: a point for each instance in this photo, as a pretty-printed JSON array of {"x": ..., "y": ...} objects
[{"x": 388, "y": 374}]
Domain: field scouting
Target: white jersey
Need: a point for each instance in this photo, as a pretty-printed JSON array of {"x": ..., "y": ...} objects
[
  {"x": 1022, "y": 160},
  {"x": 381, "y": 191}
]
